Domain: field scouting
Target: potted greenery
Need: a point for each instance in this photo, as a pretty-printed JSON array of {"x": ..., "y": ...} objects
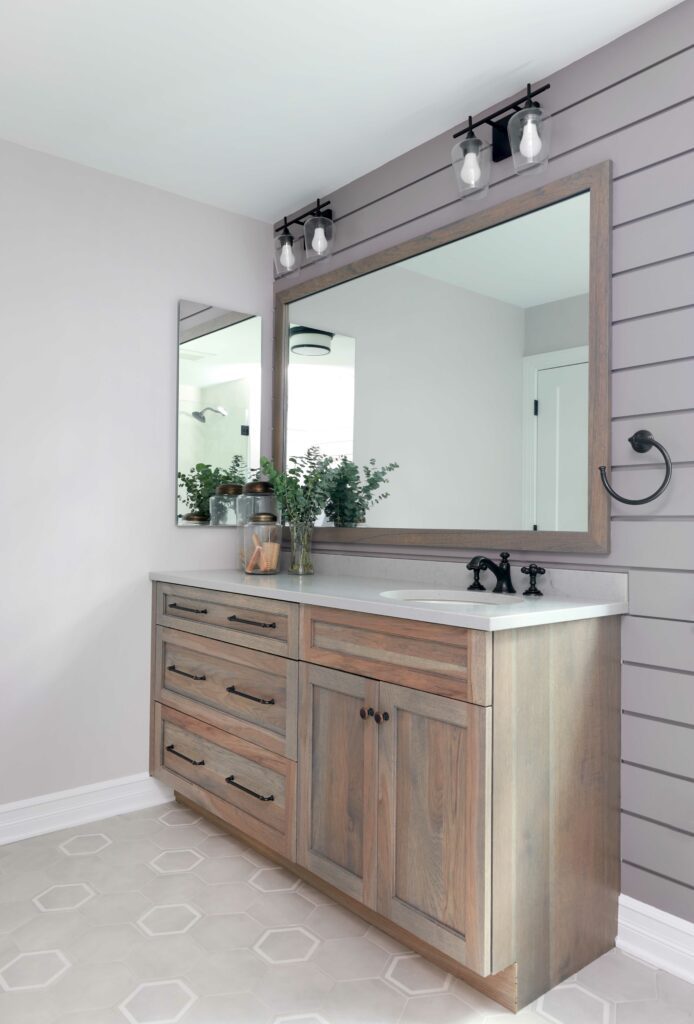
[
  {"x": 302, "y": 493},
  {"x": 201, "y": 482},
  {"x": 350, "y": 497}
]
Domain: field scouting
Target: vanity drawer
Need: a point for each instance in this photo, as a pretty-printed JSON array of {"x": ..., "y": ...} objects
[
  {"x": 447, "y": 660},
  {"x": 249, "y": 693},
  {"x": 256, "y": 622},
  {"x": 251, "y": 788}
]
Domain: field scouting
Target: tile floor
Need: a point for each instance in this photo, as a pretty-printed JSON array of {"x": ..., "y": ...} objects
[{"x": 157, "y": 917}]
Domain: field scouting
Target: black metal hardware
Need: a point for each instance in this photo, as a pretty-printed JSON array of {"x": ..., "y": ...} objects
[
  {"x": 183, "y": 608},
  {"x": 502, "y": 571},
  {"x": 251, "y": 792},
  {"x": 533, "y": 571},
  {"x": 249, "y": 696},
  {"x": 501, "y": 148},
  {"x": 371, "y": 713},
  {"x": 188, "y": 675},
  {"x": 386, "y": 716},
  {"x": 252, "y": 622},
  {"x": 642, "y": 441},
  {"x": 536, "y": 408},
  {"x": 183, "y": 757},
  {"x": 321, "y": 209},
  {"x": 476, "y": 585}
]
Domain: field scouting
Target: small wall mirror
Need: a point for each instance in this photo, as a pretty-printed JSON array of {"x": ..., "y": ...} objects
[
  {"x": 476, "y": 360},
  {"x": 219, "y": 385}
]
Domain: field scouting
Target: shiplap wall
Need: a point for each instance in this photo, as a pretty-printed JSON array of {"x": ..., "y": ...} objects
[{"x": 632, "y": 102}]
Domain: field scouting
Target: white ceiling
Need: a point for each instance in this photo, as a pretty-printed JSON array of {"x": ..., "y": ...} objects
[
  {"x": 542, "y": 257},
  {"x": 259, "y": 107}
]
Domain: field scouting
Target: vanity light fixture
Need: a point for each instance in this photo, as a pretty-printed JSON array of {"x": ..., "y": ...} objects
[
  {"x": 471, "y": 159},
  {"x": 285, "y": 256},
  {"x": 523, "y": 134},
  {"x": 309, "y": 341},
  {"x": 318, "y": 232}
]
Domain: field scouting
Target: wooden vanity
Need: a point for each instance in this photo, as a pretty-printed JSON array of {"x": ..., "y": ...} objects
[{"x": 457, "y": 787}]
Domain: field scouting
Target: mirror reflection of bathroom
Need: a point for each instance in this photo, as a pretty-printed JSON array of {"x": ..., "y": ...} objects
[
  {"x": 468, "y": 366},
  {"x": 218, "y": 398}
]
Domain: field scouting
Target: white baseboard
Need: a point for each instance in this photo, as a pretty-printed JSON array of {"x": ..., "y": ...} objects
[
  {"x": 71, "y": 807},
  {"x": 660, "y": 939}
]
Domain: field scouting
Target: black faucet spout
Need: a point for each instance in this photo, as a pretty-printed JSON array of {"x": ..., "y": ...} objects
[{"x": 502, "y": 571}]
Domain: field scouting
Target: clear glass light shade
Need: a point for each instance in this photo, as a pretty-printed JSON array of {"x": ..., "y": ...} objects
[
  {"x": 286, "y": 254},
  {"x": 318, "y": 238},
  {"x": 472, "y": 161},
  {"x": 529, "y": 134}
]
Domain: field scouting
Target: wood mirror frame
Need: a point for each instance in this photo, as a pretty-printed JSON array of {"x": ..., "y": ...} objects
[{"x": 596, "y": 539}]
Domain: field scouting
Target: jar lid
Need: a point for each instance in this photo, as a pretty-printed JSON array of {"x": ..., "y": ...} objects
[
  {"x": 229, "y": 489},
  {"x": 263, "y": 517},
  {"x": 258, "y": 487}
]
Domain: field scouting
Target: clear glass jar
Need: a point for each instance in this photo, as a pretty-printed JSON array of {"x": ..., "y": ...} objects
[
  {"x": 258, "y": 497},
  {"x": 223, "y": 505},
  {"x": 262, "y": 537}
]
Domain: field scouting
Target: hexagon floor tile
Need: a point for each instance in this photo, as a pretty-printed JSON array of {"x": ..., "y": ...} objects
[{"x": 156, "y": 916}]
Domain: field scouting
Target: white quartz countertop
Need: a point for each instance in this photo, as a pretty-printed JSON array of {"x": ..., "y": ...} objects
[{"x": 365, "y": 594}]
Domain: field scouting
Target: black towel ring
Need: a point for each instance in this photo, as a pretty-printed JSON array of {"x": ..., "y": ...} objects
[{"x": 642, "y": 441}]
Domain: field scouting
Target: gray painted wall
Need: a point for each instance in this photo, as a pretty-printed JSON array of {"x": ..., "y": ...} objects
[{"x": 631, "y": 102}]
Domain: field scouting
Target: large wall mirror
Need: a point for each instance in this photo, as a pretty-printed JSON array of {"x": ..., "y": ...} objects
[
  {"x": 476, "y": 358},
  {"x": 219, "y": 386}
]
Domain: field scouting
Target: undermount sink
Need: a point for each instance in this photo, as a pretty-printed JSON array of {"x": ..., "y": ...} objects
[{"x": 451, "y": 597}]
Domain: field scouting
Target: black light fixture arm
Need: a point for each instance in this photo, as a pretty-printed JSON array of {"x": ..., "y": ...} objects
[
  {"x": 642, "y": 441},
  {"x": 321, "y": 209},
  {"x": 527, "y": 101}
]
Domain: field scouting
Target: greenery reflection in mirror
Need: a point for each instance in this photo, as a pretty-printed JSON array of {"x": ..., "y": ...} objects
[
  {"x": 468, "y": 366},
  {"x": 218, "y": 410}
]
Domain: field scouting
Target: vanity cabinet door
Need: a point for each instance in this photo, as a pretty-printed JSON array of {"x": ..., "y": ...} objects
[
  {"x": 434, "y": 835},
  {"x": 338, "y": 770}
]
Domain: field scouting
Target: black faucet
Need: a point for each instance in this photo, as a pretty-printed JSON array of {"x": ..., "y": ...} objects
[{"x": 502, "y": 571}]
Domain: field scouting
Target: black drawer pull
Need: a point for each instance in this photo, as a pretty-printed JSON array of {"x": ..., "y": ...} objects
[
  {"x": 183, "y": 608},
  {"x": 252, "y": 622},
  {"x": 188, "y": 675},
  {"x": 244, "y": 789},
  {"x": 184, "y": 757},
  {"x": 249, "y": 696}
]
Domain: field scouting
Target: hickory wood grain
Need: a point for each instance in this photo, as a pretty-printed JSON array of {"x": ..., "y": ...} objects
[
  {"x": 276, "y": 633},
  {"x": 272, "y": 823},
  {"x": 556, "y": 799},
  {"x": 434, "y": 836},
  {"x": 217, "y": 666},
  {"x": 448, "y": 660},
  {"x": 338, "y": 780}
]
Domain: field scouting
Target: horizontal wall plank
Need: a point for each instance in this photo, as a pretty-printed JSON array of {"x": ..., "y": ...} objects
[
  {"x": 660, "y": 849},
  {"x": 653, "y": 289},
  {"x": 654, "y": 339},
  {"x": 659, "y": 642},
  {"x": 658, "y": 692},
  {"x": 657, "y": 388},
  {"x": 674, "y": 430},
  {"x": 658, "y": 892},
  {"x": 677, "y": 499},
  {"x": 660, "y": 237},
  {"x": 651, "y": 189},
  {"x": 669, "y": 595},
  {"x": 661, "y": 797},
  {"x": 652, "y": 545},
  {"x": 660, "y": 745}
]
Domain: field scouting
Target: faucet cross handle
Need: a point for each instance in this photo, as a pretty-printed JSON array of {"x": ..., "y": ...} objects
[{"x": 533, "y": 571}]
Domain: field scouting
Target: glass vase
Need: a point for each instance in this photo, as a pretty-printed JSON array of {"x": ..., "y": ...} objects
[{"x": 300, "y": 539}]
